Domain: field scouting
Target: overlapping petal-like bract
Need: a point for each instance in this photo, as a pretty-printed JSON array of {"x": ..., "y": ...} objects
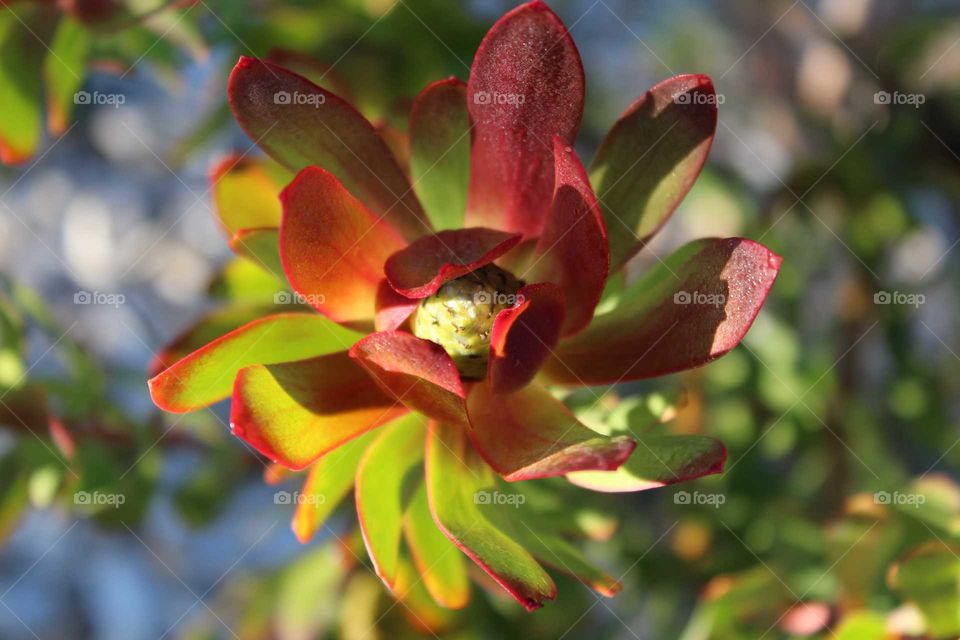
[
  {"x": 530, "y": 434},
  {"x": 691, "y": 309},
  {"x": 526, "y": 86},
  {"x": 284, "y": 414},
  {"x": 332, "y": 247},
  {"x": 416, "y": 372},
  {"x": 300, "y": 125},
  {"x": 352, "y": 241},
  {"x": 524, "y": 336},
  {"x": 418, "y": 270}
]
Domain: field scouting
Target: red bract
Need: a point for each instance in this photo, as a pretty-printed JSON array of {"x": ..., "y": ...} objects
[{"x": 371, "y": 252}]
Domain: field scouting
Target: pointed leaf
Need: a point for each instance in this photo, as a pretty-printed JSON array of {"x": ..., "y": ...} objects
[
  {"x": 380, "y": 499},
  {"x": 524, "y": 335},
  {"x": 328, "y": 482},
  {"x": 333, "y": 249},
  {"x": 530, "y": 434},
  {"x": 440, "y": 151},
  {"x": 656, "y": 462},
  {"x": 418, "y": 270},
  {"x": 526, "y": 86},
  {"x": 688, "y": 311},
  {"x": 295, "y": 412},
  {"x": 438, "y": 560},
  {"x": 206, "y": 375},
  {"x": 299, "y": 124},
  {"x": 457, "y": 482},
  {"x": 416, "y": 372},
  {"x": 246, "y": 194},
  {"x": 651, "y": 158},
  {"x": 206, "y": 330},
  {"x": 573, "y": 252}
]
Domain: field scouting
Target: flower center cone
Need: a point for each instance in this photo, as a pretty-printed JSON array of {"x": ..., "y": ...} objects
[{"x": 459, "y": 316}]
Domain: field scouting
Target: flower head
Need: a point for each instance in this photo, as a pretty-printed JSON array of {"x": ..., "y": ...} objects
[{"x": 449, "y": 299}]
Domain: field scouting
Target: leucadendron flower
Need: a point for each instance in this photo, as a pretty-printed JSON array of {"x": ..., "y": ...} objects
[{"x": 452, "y": 298}]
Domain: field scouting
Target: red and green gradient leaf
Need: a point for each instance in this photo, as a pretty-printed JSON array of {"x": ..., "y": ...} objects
[
  {"x": 300, "y": 124},
  {"x": 332, "y": 247},
  {"x": 651, "y": 158},
  {"x": 440, "y": 563},
  {"x": 295, "y": 412},
  {"x": 456, "y": 477},
  {"x": 416, "y": 372},
  {"x": 440, "y": 151},
  {"x": 524, "y": 335},
  {"x": 573, "y": 252},
  {"x": 379, "y": 487},
  {"x": 658, "y": 461},
  {"x": 530, "y": 434},
  {"x": 206, "y": 375},
  {"x": 526, "y": 86},
  {"x": 419, "y": 269},
  {"x": 216, "y": 324},
  {"x": 246, "y": 194},
  {"x": 688, "y": 311},
  {"x": 328, "y": 482}
]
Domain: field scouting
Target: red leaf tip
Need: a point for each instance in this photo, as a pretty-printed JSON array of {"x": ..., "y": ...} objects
[
  {"x": 775, "y": 260},
  {"x": 298, "y": 179},
  {"x": 245, "y": 62},
  {"x": 225, "y": 165},
  {"x": 539, "y": 4}
]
